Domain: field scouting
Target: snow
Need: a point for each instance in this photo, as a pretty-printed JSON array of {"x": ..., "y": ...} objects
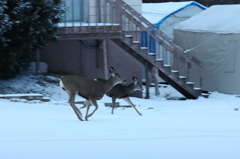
[
  {"x": 168, "y": 129},
  {"x": 17, "y": 95},
  {"x": 71, "y": 24},
  {"x": 217, "y": 19}
]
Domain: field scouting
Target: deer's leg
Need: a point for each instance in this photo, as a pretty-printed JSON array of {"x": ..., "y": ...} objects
[
  {"x": 113, "y": 103},
  {"x": 129, "y": 102},
  {"x": 157, "y": 93},
  {"x": 84, "y": 105},
  {"x": 87, "y": 104},
  {"x": 94, "y": 102},
  {"x": 72, "y": 104}
]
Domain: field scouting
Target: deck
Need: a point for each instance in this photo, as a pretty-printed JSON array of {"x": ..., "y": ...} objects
[{"x": 82, "y": 31}]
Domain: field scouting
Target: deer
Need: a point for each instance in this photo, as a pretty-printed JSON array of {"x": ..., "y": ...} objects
[
  {"x": 121, "y": 92},
  {"x": 89, "y": 89}
]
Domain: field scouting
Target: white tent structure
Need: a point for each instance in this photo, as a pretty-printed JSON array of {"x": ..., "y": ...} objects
[
  {"x": 213, "y": 37},
  {"x": 166, "y": 15}
]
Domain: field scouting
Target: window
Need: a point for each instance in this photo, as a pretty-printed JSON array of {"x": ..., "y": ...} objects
[{"x": 76, "y": 10}]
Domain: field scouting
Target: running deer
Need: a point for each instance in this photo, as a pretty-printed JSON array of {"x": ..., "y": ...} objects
[
  {"x": 121, "y": 92},
  {"x": 89, "y": 89}
]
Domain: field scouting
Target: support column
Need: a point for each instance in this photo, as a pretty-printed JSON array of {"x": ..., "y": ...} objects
[
  {"x": 105, "y": 58},
  {"x": 147, "y": 80}
]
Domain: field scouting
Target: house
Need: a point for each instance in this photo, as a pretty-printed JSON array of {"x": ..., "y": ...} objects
[
  {"x": 213, "y": 37},
  {"x": 98, "y": 34}
]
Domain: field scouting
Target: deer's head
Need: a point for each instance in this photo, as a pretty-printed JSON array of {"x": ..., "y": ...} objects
[
  {"x": 137, "y": 85},
  {"x": 116, "y": 77}
]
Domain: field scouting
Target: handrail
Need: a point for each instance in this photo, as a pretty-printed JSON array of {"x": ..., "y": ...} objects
[
  {"x": 85, "y": 17},
  {"x": 140, "y": 20}
]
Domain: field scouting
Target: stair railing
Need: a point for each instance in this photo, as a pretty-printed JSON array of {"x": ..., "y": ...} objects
[{"x": 150, "y": 37}]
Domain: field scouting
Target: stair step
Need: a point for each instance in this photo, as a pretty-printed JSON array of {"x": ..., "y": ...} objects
[
  {"x": 152, "y": 54},
  {"x": 159, "y": 63},
  {"x": 128, "y": 39},
  {"x": 182, "y": 81},
  {"x": 195, "y": 88},
  {"x": 183, "y": 77},
  {"x": 136, "y": 45},
  {"x": 175, "y": 75},
  {"x": 167, "y": 69},
  {"x": 136, "y": 42},
  {"x": 198, "y": 91},
  {"x": 128, "y": 36},
  {"x": 205, "y": 95},
  {"x": 144, "y": 52},
  {"x": 190, "y": 85},
  {"x": 152, "y": 57}
]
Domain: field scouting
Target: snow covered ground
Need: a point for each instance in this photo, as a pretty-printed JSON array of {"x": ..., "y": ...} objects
[{"x": 206, "y": 128}]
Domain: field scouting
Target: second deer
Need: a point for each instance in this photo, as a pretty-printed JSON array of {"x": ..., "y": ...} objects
[
  {"x": 121, "y": 92},
  {"x": 89, "y": 89}
]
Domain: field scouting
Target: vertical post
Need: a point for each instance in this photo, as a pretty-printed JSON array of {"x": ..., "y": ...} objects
[
  {"x": 65, "y": 18},
  {"x": 200, "y": 68},
  {"x": 97, "y": 11},
  {"x": 112, "y": 8},
  {"x": 72, "y": 16},
  {"x": 88, "y": 16},
  {"x": 119, "y": 11},
  {"x": 187, "y": 70},
  {"x": 38, "y": 62},
  {"x": 104, "y": 15},
  {"x": 81, "y": 14},
  {"x": 105, "y": 58},
  {"x": 154, "y": 73},
  {"x": 147, "y": 80}
]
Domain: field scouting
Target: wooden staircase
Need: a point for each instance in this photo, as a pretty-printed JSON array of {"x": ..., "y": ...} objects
[{"x": 177, "y": 71}]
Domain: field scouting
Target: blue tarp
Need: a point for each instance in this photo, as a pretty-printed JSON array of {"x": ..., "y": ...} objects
[{"x": 147, "y": 41}]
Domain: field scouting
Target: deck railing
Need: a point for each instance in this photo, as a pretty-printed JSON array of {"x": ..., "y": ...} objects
[{"x": 90, "y": 16}]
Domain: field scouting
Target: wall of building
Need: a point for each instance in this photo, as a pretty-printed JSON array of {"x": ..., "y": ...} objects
[{"x": 74, "y": 57}]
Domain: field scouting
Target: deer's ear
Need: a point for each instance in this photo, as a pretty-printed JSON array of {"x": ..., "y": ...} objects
[
  {"x": 134, "y": 79},
  {"x": 112, "y": 71}
]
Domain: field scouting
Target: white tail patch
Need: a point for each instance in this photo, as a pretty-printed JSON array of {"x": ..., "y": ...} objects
[{"x": 61, "y": 84}]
